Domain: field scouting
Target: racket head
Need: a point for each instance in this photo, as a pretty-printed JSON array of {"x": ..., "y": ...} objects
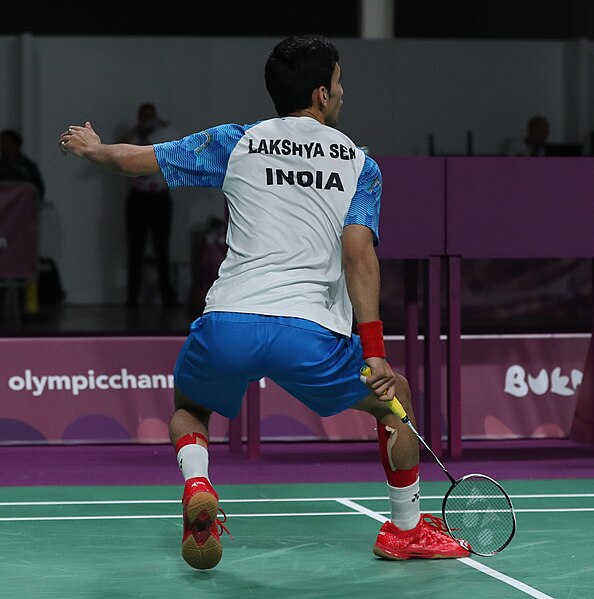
[{"x": 479, "y": 514}]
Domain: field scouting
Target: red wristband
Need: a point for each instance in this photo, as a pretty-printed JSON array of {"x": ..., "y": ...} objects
[{"x": 372, "y": 339}]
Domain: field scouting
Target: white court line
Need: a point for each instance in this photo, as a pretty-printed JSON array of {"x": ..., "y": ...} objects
[
  {"x": 178, "y": 501},
  {"x": 552, "y": 510},
  {"x": 97, "y": 502},
  {"x": 504, "y": 578},
  {"x": 350, "y": 503},
  {"x": 552, "y": 495},
  {"x": 275, "y": 500},
  {"x": 172, "y": 516},
  {"x": 466, "y": 560},
  {"x": 356, "y": 508},
  {"x": 504, "y": 336},
  {"x": 360, "y": 510}
]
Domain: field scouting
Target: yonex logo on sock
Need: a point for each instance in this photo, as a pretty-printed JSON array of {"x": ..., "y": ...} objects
[{"x": 416, "y": 497}]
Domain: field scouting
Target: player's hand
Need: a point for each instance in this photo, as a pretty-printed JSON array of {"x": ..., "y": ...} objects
[
  {"x": 382, "y": 380},
  {"x": 77, "y": 139}
]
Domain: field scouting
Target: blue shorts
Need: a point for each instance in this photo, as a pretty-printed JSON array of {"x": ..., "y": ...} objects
[{"x": 225, "y": 351}]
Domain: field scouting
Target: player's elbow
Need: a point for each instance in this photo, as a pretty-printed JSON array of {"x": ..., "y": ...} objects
[
  {"x": 362, "y": 259},
  {"x": 135, "y": 161}
]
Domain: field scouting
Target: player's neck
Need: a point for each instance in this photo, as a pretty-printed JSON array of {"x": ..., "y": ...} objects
[{"x": 311, "y": 112}]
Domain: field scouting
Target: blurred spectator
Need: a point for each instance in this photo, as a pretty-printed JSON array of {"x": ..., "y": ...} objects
[
  {"x": 14, "y": 165},
  {"x": 149, "y": 210},
  {"x": 535, "y": 141},
  {"x": 207, "y": 253}
]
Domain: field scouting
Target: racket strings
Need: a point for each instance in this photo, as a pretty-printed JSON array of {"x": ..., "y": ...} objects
[{"x": 480, "y": 512}]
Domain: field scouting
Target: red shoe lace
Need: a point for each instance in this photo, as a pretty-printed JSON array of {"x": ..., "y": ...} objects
[
  {"x": 221, "y": 525},
  {"x": 435, "y": 521}
]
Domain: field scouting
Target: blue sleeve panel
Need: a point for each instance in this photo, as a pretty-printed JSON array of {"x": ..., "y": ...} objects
[
  {"x": 200, "y": 159},
  {"x": 365, "y": 205}
]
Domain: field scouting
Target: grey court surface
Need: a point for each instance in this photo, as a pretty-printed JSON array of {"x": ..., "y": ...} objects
[{"x": 290, "y": 540}]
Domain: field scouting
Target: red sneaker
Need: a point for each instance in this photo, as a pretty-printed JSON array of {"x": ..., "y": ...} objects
[
  {"x": 201, "y": 542},
  {"x": 428, "y": 540}
]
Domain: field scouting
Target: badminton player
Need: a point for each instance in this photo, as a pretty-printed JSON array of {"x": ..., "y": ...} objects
[{"x": 304, "y": 205}]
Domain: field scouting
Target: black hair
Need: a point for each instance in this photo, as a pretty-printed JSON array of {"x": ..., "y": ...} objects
[
  {"x": 146, "y": 106},
  {"x": 537, "y": 119},
  {"x": 13, "y": 135},
  {"x": 296, "y": 67}
]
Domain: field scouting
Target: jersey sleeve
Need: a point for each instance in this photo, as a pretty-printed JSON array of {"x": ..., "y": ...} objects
[
  {"x": 200, "y": 159},
  {"x": 365, "y": 205}
]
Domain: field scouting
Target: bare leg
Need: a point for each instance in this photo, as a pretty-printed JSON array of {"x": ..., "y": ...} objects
[
  {"x": 405, "y": 449},
  {"x": 399, "y": 452},
  {"x": 188, "y": 418},
  {"x": 408, "y": 534},
  {"x": 188, "y": 430}
]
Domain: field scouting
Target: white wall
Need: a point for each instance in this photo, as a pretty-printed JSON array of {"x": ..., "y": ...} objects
[
  {"x": 397, "y": 92},
  {"x": 401, "y": 91}
]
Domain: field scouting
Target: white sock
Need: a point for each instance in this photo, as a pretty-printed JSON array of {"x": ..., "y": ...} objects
[
  {"x": 405, "y": 506},
  {"x": 193, "y": 461}
]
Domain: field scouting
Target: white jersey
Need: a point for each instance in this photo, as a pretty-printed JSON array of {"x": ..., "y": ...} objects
[{"x": 291, "y": 185}]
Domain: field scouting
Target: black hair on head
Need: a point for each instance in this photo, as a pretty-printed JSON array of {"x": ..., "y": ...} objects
[{"x": 296, "y": 67}]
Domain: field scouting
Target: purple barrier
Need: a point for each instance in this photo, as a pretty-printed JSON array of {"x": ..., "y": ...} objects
[
  {"x": 493, "y": 207},
  {"x": 119, "y": 390},
  {"x": 520, "y": 207},
  {"x": 513, "y": 208},
  {"x": 412, "y": 221},
  {"x": 412, "y": 227},
  {"x": 475, "y": 208}
]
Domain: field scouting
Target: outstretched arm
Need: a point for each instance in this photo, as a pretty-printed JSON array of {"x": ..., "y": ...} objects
[{"x": 123, "y": 159}]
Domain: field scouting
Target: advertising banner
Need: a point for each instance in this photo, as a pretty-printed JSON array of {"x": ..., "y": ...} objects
[{"x": 120, "y": 390}]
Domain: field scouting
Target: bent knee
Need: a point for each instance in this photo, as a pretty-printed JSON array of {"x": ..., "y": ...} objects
[
  {"x": 403, "y": 392},
  {"x": 183, "y": 402},
  {"x": 380, "y": 408}
]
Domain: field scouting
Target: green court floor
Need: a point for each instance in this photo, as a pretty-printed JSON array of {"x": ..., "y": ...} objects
[{"x": 301, "y": 541}]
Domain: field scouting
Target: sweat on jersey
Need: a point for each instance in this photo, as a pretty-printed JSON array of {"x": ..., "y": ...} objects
[{"x": 291, "y": 185}]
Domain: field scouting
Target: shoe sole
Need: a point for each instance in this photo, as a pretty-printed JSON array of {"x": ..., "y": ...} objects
[
  {"x": 379, "y": 552},
  {"x": 201, "y": 513}
]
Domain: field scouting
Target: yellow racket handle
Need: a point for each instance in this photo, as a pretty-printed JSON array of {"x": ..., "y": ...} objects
[{"x": 393, "y": 404}]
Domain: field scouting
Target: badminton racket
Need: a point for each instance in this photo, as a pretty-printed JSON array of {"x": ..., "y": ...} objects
[{"x": 476, "y": 510}]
